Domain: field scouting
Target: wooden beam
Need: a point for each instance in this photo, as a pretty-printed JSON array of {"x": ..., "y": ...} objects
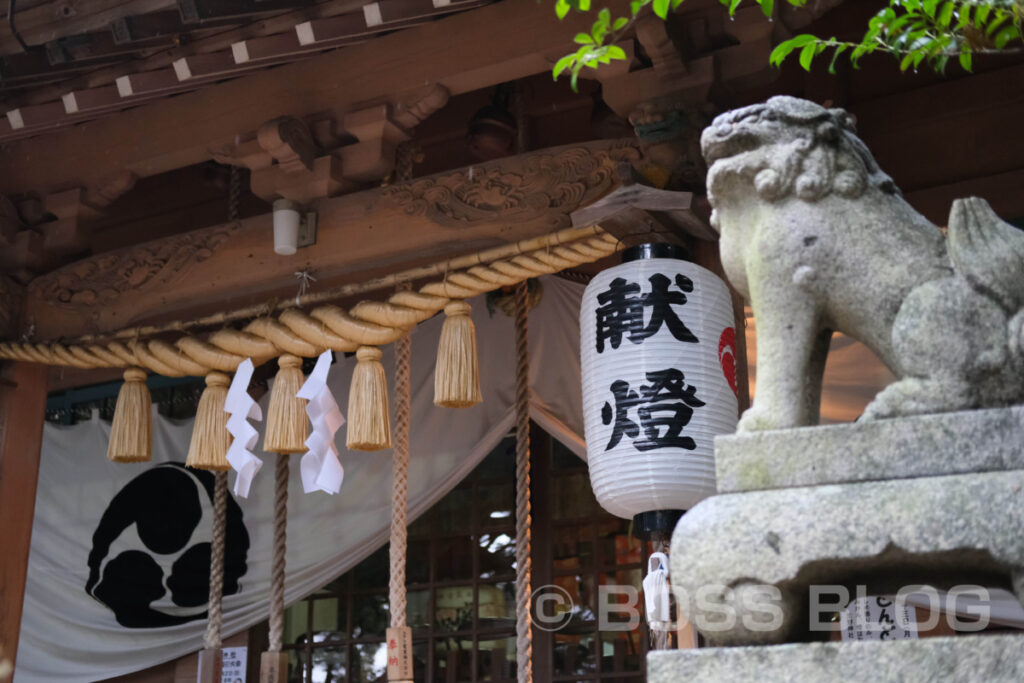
[
  {"x": 359, "y": 236},
  {"x": 156, "y": 138},
  {"x": 51, "y": 20},
  {"x": 22, "y": 410},
  {"x": 206, "y": 40}
]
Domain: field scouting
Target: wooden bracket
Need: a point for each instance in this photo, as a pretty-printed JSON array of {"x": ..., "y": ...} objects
[
  {"x": 289, "y": 141},
  {"x": 638, "y": 213},
  {"x": 373, "y": 157}
]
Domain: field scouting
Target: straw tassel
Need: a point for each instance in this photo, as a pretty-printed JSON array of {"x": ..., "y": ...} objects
[
  {"x": 131, "y": 434},
  {"x": 457, "y": 374},
  {"x": 210, "y": 437},
  {"x": 369, "y": 415},
  {"x": 287, "y": 422}
]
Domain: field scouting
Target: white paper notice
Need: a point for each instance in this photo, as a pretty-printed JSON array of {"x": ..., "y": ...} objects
[
  {"x": 241, "y": 408},
  {"x": 320, "y": 468},
  {"x": 878, "y": 618},
  {"x": 234, "y": 664},
  {"x": 656, "y": 592}
]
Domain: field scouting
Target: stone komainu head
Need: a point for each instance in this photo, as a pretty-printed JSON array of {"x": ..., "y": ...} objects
[{"x": 790, "y": 147}]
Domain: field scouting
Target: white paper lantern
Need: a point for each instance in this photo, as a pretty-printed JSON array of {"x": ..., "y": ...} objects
[{"x": 659, "y": 382}]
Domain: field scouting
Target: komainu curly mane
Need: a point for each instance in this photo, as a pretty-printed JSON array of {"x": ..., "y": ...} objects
[{"x": 819, "y": 239}]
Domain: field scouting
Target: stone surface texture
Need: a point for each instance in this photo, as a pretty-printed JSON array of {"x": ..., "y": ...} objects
[
  {"x": 819, "y": 239},
  {"x": 920, "y": 446},
  {"x": 961, "y": 659},
  {"x": 943, "y": 531}
]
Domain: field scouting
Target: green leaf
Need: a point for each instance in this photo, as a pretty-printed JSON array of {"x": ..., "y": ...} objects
[
  {"x": 733, "y": 4},
  {"x": 616, "y": 52},
  {"x": 807, "y": 55},
  {"x": 995, "y": 24},
  {"x": 661, "y": 8},
  {"x": 562, "y": 64},
  {"x": 767, "y": 6},
  {"x": 906, "y": 62},
  {"x": 635, "y": 6},
  {"x": 928, "y": 7},
  {"x": 562, "y": 8},
  {"x": 584, "y": 5},
  {"x": 676, "y": 4},
  {"x": 835, "y": 55},
  {"x": 583, "y": 39},
  {"x": 619, "y": 23},
  {"x": 946, "y": 15},
  {"x": 783, "y": 49},
  {"x": 1007, "y": 34},
  {"x": 965, "y": 60}
]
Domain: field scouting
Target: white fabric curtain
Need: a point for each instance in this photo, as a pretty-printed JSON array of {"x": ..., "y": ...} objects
[{"x": 68, "y": 635}]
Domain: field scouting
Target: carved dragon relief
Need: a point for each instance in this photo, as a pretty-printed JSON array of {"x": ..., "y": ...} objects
[
  {"x": 105, "y": 277},
  {"x": 542, "y": 188}
]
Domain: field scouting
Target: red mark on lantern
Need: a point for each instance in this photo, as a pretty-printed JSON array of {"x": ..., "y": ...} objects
[{"x": 727, "y": 357}]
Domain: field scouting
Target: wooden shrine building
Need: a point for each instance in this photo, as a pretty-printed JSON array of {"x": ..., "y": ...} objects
[{"x": 411, "y": 132}]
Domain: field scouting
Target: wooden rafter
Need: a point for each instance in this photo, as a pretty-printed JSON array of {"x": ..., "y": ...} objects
[{"x": 155, "y": 138}]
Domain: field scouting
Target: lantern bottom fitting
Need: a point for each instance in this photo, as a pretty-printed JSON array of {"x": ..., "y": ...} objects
[{"x": 656, "y": 525}]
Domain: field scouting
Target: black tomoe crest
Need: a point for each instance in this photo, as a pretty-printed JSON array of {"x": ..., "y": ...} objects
[{"x": 164, "y": 506}]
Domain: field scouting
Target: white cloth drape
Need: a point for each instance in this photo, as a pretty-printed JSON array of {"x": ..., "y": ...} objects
[{"x": 67, "y": 635}]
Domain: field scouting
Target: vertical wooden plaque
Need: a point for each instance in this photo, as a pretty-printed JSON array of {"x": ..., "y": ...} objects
[
  {"x": 274, "y": 667},
  {"x": 400, "y": 654},
  {"x": 210, "y": 666}
]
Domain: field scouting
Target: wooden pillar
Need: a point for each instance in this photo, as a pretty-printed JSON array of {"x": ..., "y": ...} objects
[{"x": 22, "y": 410}]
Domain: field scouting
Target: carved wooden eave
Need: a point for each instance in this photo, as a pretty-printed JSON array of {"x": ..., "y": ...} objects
[{"x": 360, "y": 235}]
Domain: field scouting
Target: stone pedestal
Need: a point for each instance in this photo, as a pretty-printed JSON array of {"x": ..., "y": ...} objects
[
  {"x": 935, "y": 500},
  {"x": 960, "y": 659}
]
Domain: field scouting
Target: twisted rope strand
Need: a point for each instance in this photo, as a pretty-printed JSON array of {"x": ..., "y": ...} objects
[
  {"x": 562, "y": 237},
  {"x": 327, "y": 326},
  {"x": 277, "y": 570},
  {"x": 212, "y": 639},
  {"x": 524, "y": 564},
  {"x": 165, "y": 353},
  {"x": 400, "y": 482}
]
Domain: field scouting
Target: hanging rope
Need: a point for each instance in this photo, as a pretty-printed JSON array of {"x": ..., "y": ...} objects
[
  {"x": 405, "y": 156},
  {"x": 400, "y": 484},
  {"x": 277, "y": 570},
  {"x": 524, "y": 566},
  {"x": 524, "y": 563},
  {"x": 306, "y": 334},
  {"x": 213, "y": 638}
]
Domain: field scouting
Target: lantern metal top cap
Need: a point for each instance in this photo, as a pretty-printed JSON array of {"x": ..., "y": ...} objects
[{"x": 641, "y": 252}]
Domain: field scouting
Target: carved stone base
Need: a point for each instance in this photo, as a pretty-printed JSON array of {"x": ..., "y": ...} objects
[
  {"x": 961, "y": 659},
  {"x": 898, "y": 448},
  {"x": 939, "y": 531}
]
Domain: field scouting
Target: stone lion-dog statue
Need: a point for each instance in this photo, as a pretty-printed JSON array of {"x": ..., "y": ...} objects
[{"x": 818, "y": 239}]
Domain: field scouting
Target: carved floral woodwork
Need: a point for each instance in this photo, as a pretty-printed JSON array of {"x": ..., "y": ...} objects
[
  {"x": 104, "y": 278},
  {"x": 518, "y": 197},
  {"x": 541, "y": 188}
]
